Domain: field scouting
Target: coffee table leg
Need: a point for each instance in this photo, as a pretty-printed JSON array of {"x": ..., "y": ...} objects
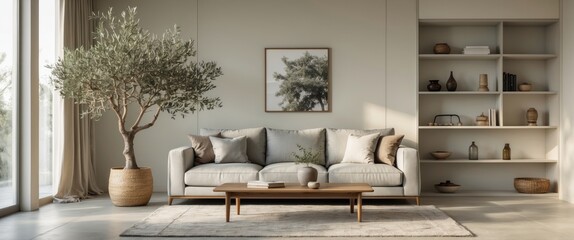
[
  {"x": 238, "y": 204},
  {"x": 352, "y": 205},
  {"x": 359, "y": 207},
  {"x": 227, "y": 206}
]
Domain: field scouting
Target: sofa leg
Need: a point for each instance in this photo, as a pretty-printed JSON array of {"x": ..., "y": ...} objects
[
  {"x": 418, "y": 201},
  {"x": 169, "y": 200}
]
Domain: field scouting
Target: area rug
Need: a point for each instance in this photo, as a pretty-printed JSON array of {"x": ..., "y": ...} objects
[{"x": 296, "y": 221}]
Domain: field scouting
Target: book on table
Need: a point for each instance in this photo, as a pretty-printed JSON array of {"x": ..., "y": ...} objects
[{"x": 265, "y": 184}]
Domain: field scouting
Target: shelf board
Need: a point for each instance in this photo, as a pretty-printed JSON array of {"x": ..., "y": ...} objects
[
  {"x": 488, "y": 93},
  {"x": 457, "y": 22},
  {"x": 530, "y": 93},
  {"x": 484, "y": 127},
  {"x": 529, "y": 56},
  {"x": 458, "y": 93},
  {"x": 483, "y": 161},
  {"x": 459, "y": 56},
  {"x": 476, "y": 193}
]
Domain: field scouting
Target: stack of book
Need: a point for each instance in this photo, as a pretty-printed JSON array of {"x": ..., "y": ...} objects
[
  {"x": 485, "y": 50},
  {"x": 492, "y": 117},
  {"x": 263, "y": 184},
  {"x": 508, "y": 82}
]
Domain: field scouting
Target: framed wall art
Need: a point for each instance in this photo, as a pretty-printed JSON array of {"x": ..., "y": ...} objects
[{"x": 297, "y": 80}]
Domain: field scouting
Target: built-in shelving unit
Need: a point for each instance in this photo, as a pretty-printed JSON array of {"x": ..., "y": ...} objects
[{"x": 527, "y": 48}]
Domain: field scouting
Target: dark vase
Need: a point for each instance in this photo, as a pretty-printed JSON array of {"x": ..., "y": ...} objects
[
  {"x": 506, "y": 152},
  {"x": 434, "y": 86},
  {"x": 473, "y": 152},
  {"x": 451, "y": 83}
]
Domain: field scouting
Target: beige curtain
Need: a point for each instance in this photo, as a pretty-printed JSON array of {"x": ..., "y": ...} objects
[{"x": 74, "y": 134}]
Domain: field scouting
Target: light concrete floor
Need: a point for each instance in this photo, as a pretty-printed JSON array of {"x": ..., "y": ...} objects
[{"x": 524, "y": 217}]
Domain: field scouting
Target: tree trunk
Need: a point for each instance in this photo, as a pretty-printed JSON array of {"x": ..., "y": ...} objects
[
  {"x": 322, "y": 104},
  {"x": 129, "y": 153}
]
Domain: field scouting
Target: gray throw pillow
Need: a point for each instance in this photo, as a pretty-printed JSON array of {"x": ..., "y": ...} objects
[
  {"x": 232, "y": 150},
  {"x": 337, "y": 141},
  {"x": 387, "y": 149},
  {"x": 202, "y": 148},
  {"x": 255, "y": 141},
  {"x": 281, "y": 144},
  {"x": 361, "y": 149}
]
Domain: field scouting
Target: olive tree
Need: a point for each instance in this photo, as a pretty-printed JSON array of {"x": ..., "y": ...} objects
[{"x": 127, "y": 68}]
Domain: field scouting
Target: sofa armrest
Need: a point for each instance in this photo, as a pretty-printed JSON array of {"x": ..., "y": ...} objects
[
  {"x": 178, "y": 162},
  {"x": 408, "y": 162}
]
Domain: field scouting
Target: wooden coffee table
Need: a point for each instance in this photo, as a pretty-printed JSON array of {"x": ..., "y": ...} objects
[{"x": 351, "y": 191}]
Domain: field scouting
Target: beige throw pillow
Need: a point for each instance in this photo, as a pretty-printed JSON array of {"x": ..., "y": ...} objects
[
  {"x": 228, "y": 150},
  {"x": 387, "y": 149},
  {"x": 361, "y": 149},
  {"x": 202, "y": 148}
]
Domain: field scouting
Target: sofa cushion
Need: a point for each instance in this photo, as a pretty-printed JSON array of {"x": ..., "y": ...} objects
[
  {"x": 376, "y": 175},
  {"x": 255, "y": 141},
  {"x": 337, "y": 141},
  {"x": 229, "y": 150},
  {"x": 281, "y": 144},
  {"x": 287, "y": 172},
  {"x": 387, "y": 149},
  {"x": 213, "y": 174},
  {"x": 202, "y": 148},
  {"x": 361, "y": 149}
]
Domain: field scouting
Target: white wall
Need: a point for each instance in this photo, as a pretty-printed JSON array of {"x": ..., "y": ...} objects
[
  {"x": 566, "y": 189},
  {"x": 489, "y": 9},
  {"x": 235, "y": 33}
]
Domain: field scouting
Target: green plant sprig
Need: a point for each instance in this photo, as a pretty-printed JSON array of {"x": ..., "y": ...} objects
[{"x": 306, "y": 156}]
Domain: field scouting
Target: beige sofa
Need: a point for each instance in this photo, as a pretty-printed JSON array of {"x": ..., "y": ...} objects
[{"x": 270, "y": 158}]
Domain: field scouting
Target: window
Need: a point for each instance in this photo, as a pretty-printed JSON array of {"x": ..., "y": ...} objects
[
  {"x": 8, "y": 66},
  {"x": 46, "y": 56}
]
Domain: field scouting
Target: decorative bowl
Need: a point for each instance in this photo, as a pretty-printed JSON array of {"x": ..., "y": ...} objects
[
  {"x": 313, "y": 185},
  {"x": 525, "y": 87},
  {"x": 440, "y": 155},
  {"x": 441, "y": 48},
  {"x": 446, "y": 187},
  {"x": 532, "y": 185}
]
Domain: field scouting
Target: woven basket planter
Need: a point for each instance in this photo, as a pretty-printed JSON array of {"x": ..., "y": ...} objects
[
  {"x": 130, "y": 187},
  {"x": 532, "y": 185}
]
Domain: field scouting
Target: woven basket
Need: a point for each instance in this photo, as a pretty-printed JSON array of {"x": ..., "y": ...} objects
[
  {"x": 130, "y": 187},
  {"x": 532, "y": 185}
]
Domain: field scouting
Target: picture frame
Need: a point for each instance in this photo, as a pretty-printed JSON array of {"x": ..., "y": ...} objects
[{"x": 289, "y": 89}]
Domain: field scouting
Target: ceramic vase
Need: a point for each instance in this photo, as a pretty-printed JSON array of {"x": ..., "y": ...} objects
[
  {"x": 482, "y": 120},
  {"x": 483, "y": 83},
  {"x": 306, "y": 175},
  {"x": 441, "y": 48},
  {"x": 451, "y": 83},
  {"x": 532, "y": 117},
  {"x": 434, "y": 86}
]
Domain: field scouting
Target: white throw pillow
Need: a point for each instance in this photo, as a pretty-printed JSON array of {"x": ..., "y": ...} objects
[
  {"x": 361, "y": 149},
  {"x": 230, "y": 150}
]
